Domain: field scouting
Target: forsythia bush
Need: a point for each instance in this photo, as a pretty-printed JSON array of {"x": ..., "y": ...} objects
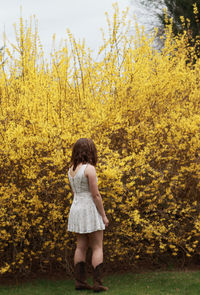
[{"x": 141, "y": 107}]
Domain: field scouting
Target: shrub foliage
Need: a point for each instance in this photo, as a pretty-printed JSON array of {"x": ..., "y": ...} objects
[{"x": 140, "y": 106}]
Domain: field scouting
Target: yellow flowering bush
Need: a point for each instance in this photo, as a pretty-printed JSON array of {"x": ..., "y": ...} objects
[{"x": 141, "y": 107}]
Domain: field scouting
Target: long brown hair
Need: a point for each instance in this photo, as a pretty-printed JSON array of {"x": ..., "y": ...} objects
[{"x": 84, "y": 151}]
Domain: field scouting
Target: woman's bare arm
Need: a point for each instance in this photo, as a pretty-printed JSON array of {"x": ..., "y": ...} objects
[{"x": 90, "y": 172}]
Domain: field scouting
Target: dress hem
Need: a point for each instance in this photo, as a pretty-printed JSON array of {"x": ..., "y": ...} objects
[{"x": 87, "y": 232}]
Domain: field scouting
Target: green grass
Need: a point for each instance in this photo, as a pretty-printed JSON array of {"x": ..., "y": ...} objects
[{"x": 157, "y": 283}]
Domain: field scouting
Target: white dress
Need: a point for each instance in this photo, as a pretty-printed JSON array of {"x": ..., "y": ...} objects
[{"x": 83, "y": 216}]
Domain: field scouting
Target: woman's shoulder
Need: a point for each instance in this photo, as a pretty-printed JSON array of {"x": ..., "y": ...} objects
[
  {"x": 90, "y": 169},
  {"x": 70, "y": 169}
]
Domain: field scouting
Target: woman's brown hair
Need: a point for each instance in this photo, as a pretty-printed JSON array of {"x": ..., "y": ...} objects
[{"x": 84, "y": 151}]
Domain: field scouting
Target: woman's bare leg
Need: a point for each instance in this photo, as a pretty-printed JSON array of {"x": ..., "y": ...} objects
[
  {"x": 81, "y": 248},
  {"x": 96, "y": 243},
  {"x": 80, "y": 272}
]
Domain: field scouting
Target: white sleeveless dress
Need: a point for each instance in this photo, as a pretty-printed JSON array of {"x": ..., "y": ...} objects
[{"x": 83, "y": 216}]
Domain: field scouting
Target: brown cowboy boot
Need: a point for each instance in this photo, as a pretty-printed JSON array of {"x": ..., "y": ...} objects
[
  {"x": 98, "y": 284},
  {"x": 80, "y": 277}
]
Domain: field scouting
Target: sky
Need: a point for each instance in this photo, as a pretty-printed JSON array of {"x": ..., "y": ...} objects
[{"x": 84, "y": 18}]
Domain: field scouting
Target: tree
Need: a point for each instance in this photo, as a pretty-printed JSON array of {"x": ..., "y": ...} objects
[{"x": 180, "y": 11}]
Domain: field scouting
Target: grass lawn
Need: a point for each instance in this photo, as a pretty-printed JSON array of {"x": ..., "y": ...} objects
[{"x": 156, "y": 283}]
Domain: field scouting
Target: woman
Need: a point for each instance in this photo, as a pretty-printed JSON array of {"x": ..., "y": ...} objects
[{"x": 87, "y": 217}]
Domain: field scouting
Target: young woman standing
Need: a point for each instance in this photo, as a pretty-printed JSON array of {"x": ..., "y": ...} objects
[{"x": 87, "y": 217}]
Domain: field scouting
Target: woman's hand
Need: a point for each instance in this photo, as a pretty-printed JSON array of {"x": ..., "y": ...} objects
[{"x": 105, "y": 220}]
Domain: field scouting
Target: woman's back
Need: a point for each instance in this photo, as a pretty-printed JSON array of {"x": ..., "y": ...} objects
[
  {"x": 84, "y": 216},
  {"x": 79, "y": 182}
]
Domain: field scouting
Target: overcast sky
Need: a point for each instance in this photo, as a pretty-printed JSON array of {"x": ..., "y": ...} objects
[{"x": 84, "y": 18}]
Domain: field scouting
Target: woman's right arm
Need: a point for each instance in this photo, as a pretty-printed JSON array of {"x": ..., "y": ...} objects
[{"x": 90, "y": 172}]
